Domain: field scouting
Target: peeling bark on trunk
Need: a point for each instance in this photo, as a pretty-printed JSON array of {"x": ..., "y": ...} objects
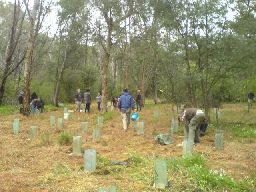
[
  {"x": 58, "y": 80},
  {"x": 29, "y": 58}
]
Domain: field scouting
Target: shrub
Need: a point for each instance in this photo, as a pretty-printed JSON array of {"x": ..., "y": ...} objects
[
  {"x": 65, "y": 138},
  {"x": 45, "y": 138}
]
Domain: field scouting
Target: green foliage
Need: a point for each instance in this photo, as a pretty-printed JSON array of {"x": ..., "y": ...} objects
[
  {"x": 102, "y": 161},
  {"x": 7, "y": 110},
  {"x": 108, "y": 116},
  {"x": 65, "y": 138},
  {"x": 136, "y": 160},
  {"x": 202, "y": 179},
  {"x": 50, "y": 108},
  {"x": 43, "y": 88},
  {"x": 242, "y": 131},
  {"x": 62, "y": 169},
  {"x": 45, "y": 138},
  {"x": 195, "y": 160}
]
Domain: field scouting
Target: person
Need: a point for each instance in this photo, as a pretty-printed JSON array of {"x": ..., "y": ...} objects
[
  {"x": 21, "y": 99},
  {"x": 37, "y": 104},
  {"x": 114, "y": 102},
  {"x": 40, "y": 105},
  {"x": 78, "y": 100},
  {"x": 250, "y": 98},
  {"x": 33, "y": 96},
  {"x": 87, "y": 100},
  {"x": 125, "y": 105},
  {"x": 33, "y": 102},
  {"x": 138, "y": 100},
  {"x": 99, "y": 99},
  {"x": 194, "y": 119}
]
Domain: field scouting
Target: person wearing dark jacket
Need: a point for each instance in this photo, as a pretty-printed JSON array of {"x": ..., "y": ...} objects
[
  {"x": 250, "y": 98},
  {"x": 87, "y": 100},
  {"x": 33, "y": 102},
  {"x": 138, "y": 100},
  {"x": 125, "y": 105},
  {"x": 194, "y": 120}
]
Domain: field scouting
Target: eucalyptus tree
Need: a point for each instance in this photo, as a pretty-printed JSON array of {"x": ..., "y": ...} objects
[
  {"x": 73, "y": 25},
  {"x": 243, "y": 43},
  {"x": 200, "y": 26},
  {"x": 32, "y": 31},
  {"x": 12, "y": 51},
  {"x": 112, "y": 14}
]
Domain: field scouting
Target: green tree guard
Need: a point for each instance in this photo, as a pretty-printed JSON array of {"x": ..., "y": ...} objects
[
  {"x": 16, "y": 126},
  {"x": 135, "y": 125},
  {"x": 161, "y": 180},
  {"x": 140, "y": 128},
  {"x": 33, "y": 132},
  {"x": 186, "y": 152},
  {"x": 191, "y": 137},
  {"x": 90, "y": 160},
  {"x": 156, "y": 114},
  {"x": 110, "y": 189},
  {"x": 96, "y": 134},
  {"x": 103, "y": 190},
  {"x": 170, "y": 134},
  {"x": 60, "y": 123},
  {"x": 52, "y": 120},
  {"x": 66, "y": 116},
  {"x": 77, "y": 144},
  {"x": 100, "y": 121},
  {"x": 84, "y": 127},
  {"x": 174, "y": 125},
  {"x": 219, "y": 137}
]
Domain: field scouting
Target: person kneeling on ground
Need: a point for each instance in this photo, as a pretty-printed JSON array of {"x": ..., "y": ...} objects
[
  {"x": 37, "y": 104},
  {"x": 125, "y": 105},
  {"x": 195, "y": 119}
]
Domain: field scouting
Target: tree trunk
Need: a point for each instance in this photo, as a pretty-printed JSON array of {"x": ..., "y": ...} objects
[
  {"x": 59, "y": 77},
  {"x": 29, "y": 58},
  {"x": 115, "y": 75},
  {"x": 2, "y": 90},
  {"x": 106, "y": 60},
  {"x": 191, "y": 90},
  {"x": 9, "y": 52},
  {"x": 143, "y": 84}
]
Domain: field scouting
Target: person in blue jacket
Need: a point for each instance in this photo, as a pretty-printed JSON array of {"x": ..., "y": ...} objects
[{"x": 126, "y": 105}]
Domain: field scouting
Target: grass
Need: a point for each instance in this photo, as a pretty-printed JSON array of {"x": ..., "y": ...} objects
[
  {"x": 8, "y": 109},
  {"x": 45, "y": 138},
  {"x": 50, "y": 108},
  {"x": 200, "y": 178},
  {"x": 108, "y": 116},
  {"x": 188, "y": 174},
  {"x": 242, "y": 131},
  {"x": 65, "y": 138},
  {"x": 185, "y": 174}
]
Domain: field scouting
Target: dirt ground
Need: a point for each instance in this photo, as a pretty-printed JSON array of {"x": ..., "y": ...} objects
[{"x": 30, "y": 165}]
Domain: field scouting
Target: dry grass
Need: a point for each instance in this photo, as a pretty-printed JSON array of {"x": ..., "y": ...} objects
[{"x": 36, "y": 165}]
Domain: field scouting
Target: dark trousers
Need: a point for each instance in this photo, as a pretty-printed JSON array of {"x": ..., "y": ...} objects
[
  {"x": 138, "y": 105},
  {"x": 87, "y": 107},
  {"x": 99, "y": 106}
]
